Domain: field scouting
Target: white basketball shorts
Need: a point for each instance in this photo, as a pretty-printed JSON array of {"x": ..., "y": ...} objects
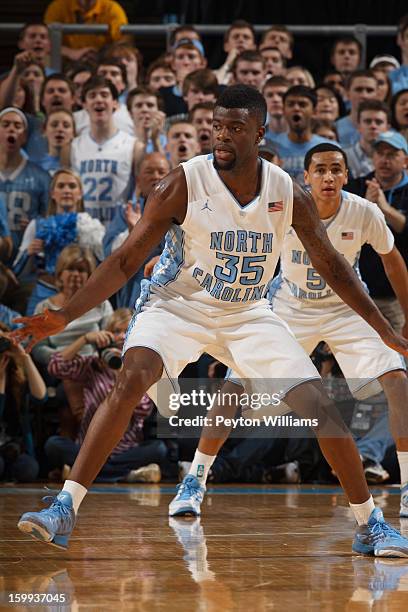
[{"x": 254, "y": 342}]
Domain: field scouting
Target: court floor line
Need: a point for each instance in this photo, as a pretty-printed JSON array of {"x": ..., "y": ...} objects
[
  {"x": 207, "y": 536},
  {"x": 170, "y": 489}
]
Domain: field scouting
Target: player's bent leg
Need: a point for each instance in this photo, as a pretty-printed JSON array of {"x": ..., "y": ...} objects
[
  {"x": 395, "y": 385},
  {"x": 192, "y": 489},
  {"x": 373, "y": 536},
  {"x": 141, "y": 368}
]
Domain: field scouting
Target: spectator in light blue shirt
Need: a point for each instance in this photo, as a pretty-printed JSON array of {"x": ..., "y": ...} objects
[
  {"x": 299, "y": 104},
  {"x": 362, "y": 85},
  {"x": 373, "y": 119}
]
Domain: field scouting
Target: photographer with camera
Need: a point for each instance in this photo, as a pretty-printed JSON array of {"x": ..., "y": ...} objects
[
  {"x": 133, "y": 459},
  {"x": 21, "y": 386}
]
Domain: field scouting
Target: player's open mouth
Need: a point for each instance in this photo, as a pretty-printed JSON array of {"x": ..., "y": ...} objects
[
  {"x": 11, "y": 139},
  {"x": 182, "y": 149},
  {"x": 204, "y": 137},
  {"x": 296, "y": 118},
  {"x": 59, "y": 138},
  {"x": 56, "y": 102}
]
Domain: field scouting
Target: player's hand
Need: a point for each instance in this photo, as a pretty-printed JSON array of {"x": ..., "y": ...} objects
[
  {"x": 148, "y": 269},
  {"x": 396, "y": 342},
  {"x": 37, "y": 327}
]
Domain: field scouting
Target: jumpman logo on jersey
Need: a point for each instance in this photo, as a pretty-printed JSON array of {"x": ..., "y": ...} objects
[{"x": 206, "y": 207}]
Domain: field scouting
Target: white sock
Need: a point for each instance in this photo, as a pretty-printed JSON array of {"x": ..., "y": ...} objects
[
  {"x": 201, "y": 466},
  {"x": 362, "y": 511},
  {"x": 77, "y": 492},
  {"x": 403, "y": 463}
]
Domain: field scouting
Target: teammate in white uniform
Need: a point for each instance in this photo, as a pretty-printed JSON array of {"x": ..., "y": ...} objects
[
  {"x": 218, "y": 246},
  {"x": 104, "y": 156},
  {"x": 315, "y": 313}
]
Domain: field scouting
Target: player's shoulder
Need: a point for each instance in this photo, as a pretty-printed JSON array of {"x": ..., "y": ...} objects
[
  {"x": 359, "y": 203},
  {"x": 361, "y": 208},
  {"x": 275, "y": 176},
  {"x": 199, "y": 160}
]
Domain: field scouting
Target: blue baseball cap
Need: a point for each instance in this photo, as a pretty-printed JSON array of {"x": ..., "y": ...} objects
[
  {"x": 394, "y": 139},
  {"x": 188, "y": 42}
]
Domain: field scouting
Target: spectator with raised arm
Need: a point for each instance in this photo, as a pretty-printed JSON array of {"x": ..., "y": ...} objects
[
  {"x": 239, "y": 37},
  {"x": 145, "y": 108}
]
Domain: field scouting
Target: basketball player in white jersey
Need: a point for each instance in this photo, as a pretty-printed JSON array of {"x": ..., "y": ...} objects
[
  {"x": 103, "y": 156},
  {"x": 315, "y": 313},
  {"x": 225, "y": 219}
]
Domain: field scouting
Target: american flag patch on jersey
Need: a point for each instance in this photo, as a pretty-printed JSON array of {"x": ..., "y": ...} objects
[
  {"x": 275, "y": 206},
  {"x": 347, "y": 235}
]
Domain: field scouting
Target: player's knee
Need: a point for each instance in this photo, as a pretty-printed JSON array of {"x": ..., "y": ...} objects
[{"x": 133, "y": 383}]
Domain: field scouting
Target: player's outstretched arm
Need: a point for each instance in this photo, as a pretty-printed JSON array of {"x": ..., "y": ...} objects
[
  {"x": 167, "y": 204},
  {"x": 334, "y": 268},
  {"x": 396, "y": 271}
]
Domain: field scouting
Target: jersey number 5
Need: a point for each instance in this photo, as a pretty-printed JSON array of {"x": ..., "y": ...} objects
[{"x": 315, "y": 281}]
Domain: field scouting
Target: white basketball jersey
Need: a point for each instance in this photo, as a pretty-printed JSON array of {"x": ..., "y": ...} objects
[
  {"x": 356, "y": 223},
  {"x": 224, "y": 254},
  {"x": 105, "y": 170}
]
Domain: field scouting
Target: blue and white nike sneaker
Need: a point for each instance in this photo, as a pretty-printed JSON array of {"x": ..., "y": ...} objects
[
  {"x": 54, "y": 524},
  {"x": 404, "y": 502},
  {"x": 190, "y": 494},
  {"x": 379, "y": 538}
]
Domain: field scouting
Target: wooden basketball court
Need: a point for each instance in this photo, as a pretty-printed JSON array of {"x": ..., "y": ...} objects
[{"x": 281, "y": 548}]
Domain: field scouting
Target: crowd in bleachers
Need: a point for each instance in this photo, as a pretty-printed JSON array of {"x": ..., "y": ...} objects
[{"x": 80, "y": 151}]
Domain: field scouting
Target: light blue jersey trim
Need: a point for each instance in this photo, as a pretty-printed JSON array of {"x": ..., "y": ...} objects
[
  {"x": 171, "y": 260},
  {"x": 274, "y": 287},
  {"x": 142, "y": 300}
]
